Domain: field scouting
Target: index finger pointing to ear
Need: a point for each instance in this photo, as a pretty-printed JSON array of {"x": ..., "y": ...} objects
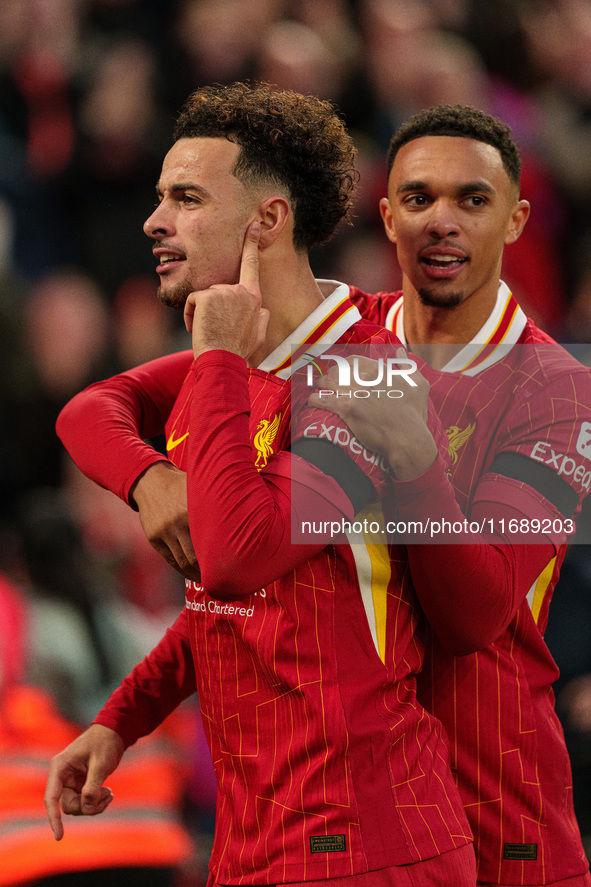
[{"x": 249, "y": 266}]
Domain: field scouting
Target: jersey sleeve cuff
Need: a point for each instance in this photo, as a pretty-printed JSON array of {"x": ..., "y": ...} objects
[
  {"x": 409, "y": 492},
  {"x": 219, "y": 358},
  {"x": 128, "y": 735}
]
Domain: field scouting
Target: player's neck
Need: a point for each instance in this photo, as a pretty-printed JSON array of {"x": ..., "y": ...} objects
[
  {"x": 290, "y": 293},
  {"x": 438, "y": 333}
]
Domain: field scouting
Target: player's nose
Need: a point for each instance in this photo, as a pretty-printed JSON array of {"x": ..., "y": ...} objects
[
  {"x": 443, "y": 220},
  {"x": 159, "y": 223}
]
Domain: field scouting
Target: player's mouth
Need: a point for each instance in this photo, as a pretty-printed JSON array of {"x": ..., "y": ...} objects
[
  {"x": 441, "y": 262},
  {"x": 167, "y": 260}
]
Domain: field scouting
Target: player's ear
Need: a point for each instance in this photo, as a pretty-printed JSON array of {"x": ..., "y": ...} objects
[
  {"x": 274, "y": 214},
  {"x": 519, "y": 217},
  {"x": 386, "y": 211}
]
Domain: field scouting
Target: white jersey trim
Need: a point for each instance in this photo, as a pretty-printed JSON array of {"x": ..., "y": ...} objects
[
  {"x": 316, "y": 332},
  {"x": 469, "y": 360}
]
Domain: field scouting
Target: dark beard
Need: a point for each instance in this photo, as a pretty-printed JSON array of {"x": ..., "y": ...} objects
[
  {"x": 447, "y": 300},
  {"x": 175, "y": 296}
]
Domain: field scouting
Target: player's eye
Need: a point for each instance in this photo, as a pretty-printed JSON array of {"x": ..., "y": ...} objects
[
  {"x": 475, "y": 200},
  {"x": 416, "y": 200}
]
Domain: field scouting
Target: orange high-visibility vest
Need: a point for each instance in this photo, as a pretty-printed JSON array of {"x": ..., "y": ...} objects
[{"x": 140, "y": 828}]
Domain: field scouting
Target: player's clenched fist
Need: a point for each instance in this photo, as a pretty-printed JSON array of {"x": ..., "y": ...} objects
[{"x": 231, "y": 317}]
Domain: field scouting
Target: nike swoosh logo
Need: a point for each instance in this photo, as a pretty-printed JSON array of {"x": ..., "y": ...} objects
[{"x": 171, "y": 443}]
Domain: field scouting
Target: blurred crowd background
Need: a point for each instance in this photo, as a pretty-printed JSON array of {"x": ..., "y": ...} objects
[{"x": 89, "y": 90}]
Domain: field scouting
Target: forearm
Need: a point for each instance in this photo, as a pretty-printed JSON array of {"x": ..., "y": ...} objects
[
  {"x": 103, "y": 427},
  {"x": 241, "y": 518},
  {"x": 154, "y": 688},
  {"x": 469, "y": 589}
]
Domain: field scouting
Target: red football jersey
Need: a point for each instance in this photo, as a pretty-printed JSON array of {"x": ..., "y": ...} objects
[
  {"x": 326, "y": 764},
  {"x": 519, "y": 393}
]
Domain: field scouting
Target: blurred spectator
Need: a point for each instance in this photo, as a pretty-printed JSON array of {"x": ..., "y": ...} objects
[
  {"x": 293, "y": 56},
  {"x": 112, "y": 535},
  {"x": 569, "y": 638},
  {"x": 214, "y": 41},
  {"x": 63, "y": 341},
  {"x": 11, "y": 348},
  {"x": 578, "y": 320},
  {"x": 121, "y": 136},
  {"x": 541, "y": 284},
  {"x": 392, "y": 35},
  {"x": 495, "y": 29},
  {"x": 38, "y": 53},
  {"x": 66, "y": 308},
  {"x": 142, "y": 840},
  {"x": 87, "y": 92},
  {"x": 74, "y": 598},
  {"x": 143, "y": 328},
  {"x": 315, "y": 52},
  {"x": 559, "y": 43}
]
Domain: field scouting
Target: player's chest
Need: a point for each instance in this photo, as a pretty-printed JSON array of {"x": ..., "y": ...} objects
[{"x": 472, "y": 413}]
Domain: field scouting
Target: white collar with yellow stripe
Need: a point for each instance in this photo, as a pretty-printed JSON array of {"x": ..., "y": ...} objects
[
  {"x": 323, "y": 327},
  {"x": 492, "y": 342}
]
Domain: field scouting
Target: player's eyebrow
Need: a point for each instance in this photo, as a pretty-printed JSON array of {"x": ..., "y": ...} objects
[
  {"x": 480, "y": 185},
  {"x": 181, "y": 187},
  {"x": 477, "y": 185},
  {"x": 412, "y": 185}
]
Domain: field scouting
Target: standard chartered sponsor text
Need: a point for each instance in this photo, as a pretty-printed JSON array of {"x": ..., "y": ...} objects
[
  {"x": 219, "y": 609},
  {"x": 209, "y": 605}
]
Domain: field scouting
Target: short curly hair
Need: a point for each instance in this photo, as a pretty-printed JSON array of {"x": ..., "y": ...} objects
[
  {"x": 297, "y": 142},
  {"x": 465, "y": 122}
]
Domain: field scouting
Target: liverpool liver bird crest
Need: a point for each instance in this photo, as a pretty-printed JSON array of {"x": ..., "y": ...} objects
[
  {"x": 263, "y": 440},
  {"x": 457, "y": 437}
]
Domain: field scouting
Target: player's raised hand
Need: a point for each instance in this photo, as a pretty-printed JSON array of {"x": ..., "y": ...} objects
[
  {"x": 396, "y": 427},
  {"x": 76, "y": 776},
  {"x": 231, "y": 317}
]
